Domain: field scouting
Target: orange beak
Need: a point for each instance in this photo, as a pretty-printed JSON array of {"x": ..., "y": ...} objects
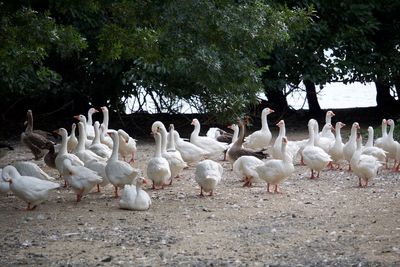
[{"x": 76, "y": 117}]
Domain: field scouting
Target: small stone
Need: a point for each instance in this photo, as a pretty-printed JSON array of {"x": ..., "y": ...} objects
[{"x": 107, "y": 259}]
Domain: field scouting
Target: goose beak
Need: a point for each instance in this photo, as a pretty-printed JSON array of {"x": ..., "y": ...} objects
[
  {"x": 95, "y": 110},
  {"x": 76, "y": 117},
  {"x": 144, "y": 181}
]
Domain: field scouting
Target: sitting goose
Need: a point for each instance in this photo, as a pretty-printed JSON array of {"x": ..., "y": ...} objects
[
  {"x": 37, "y": 143},
  {"x": 134, "y": 197}
]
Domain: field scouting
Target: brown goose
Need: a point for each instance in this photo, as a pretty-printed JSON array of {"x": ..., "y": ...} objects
[
  {"x": 34, "y": 141},
  {"x": 50, "y": 157},
  {"x": 237, "y": 150}
]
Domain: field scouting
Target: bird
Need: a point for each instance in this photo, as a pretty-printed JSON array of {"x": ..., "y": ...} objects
[
  {"x": 370, "y": 149},
  {"x": 50, "y": 157},
  {"x": 336, "y": 150},
  {"x": 380, "y": 141},
  {"x": 209, "y": 144},
  {"x": 260, "y": 139},
  {"x": 89, "y": 124},
  {"x": 30, "y": 189},
  {"x": 390, "y": 145},
  {"x": 82, "y": 119},
  {"x": 274, "y": 171},
  {"x": 105, "y": 139},
  {"x": 80, "y": 151},
  {"x": 314, "y": 157},
  {"x": 72, "y": 141},
  {"x": 119, "y": 172},
  {"x": 350, "y": 146},
  {"x": 158, "y": 170},
  {"x": 208, "y": 174},
  {"x": 326, "y": 132},
  {"x": 292, "y": 148},
  {"x": 29, "y": 168},
  {"x": 97, "y": 147},
  {"x": 35, "y": 142},
  {"x": 245, "y": 167},
  {"x": 81, "y": 179},
  {"x": 364, "y": 166},
  {"x": 127, "y": 146},
  {"x": 4, "y": 148},
  {"x": 219, "y": 135},
  {"x": 134, "y": 197},
  {"x": 4, "y": 186}
]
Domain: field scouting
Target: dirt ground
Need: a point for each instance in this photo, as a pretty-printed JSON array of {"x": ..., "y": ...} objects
[{"x": 324, "y": 222}]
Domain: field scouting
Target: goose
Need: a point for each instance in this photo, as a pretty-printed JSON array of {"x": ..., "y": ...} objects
[
  {"x": 336, "y": 150},
  {"x": 80, "y": 178},
  {"x": 314, "y": 157},
  {"x": 379, "y": 142},
  {"x": 234, "y": 137},
  {"x": 245, "y": 167},
  {"x": 34, "y": 141},
  {"x": 97, "y": 147},
  {"x": 211, "y": 145},
  {"x": 236, "y": 150},
  {"x": 208, "y": 174},
  {"x": 134, "y": 197},
  {"x": 4, "y": 148},
  {"x": 322, "y": 142},
  {"x": 50, "y": 157},
  {"x": 219, "y": 135},
  {"x": 63, "y": 153},
  {"x": 89, "y": 124},
  {"x": 364, "y": 166},
  {"x": 82, "y": 119},
  {"x": 119, "y": 172},
  {"x": 80, "y": 151},
  {"x": 260, "y": 139},
  {"x": 350, "y": 146},
  {"x": 4, "y": 186},
  {"x": 370, "y": 149},
  {"x": 106, "y": 139},
  {"x": 30, "y": 189},
  {"x": 158, "y": 168},
  {"x": 72, "y": 141},
  {"x": 100, "y": 168},
  {"x": 292, "y": 148},
  {"x": 127, "y": 146},
  {"x": 390, "y": 145},
  {"x": 274, "y": 171},
  {"x": 174, "y": 158},
  {"x": 28, "y": 168},
  {"x": 326, "y": 132},
  {"x": 190, "y": 152}
]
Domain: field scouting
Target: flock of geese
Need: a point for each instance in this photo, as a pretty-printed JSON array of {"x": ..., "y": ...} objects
[{"x": 100, "y": 156}]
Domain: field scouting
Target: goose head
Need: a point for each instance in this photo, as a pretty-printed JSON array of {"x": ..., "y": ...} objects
[
  {"x": 195, "y": 122},
  {"x": 268, "y": 111},
  {"x": 92, "y": 111},
  {"x": 140, "y": 181},
  {"x": 157, "y": 125},
  {"x": 281, "y": 123},
  {"x": 80, "y": 118}
]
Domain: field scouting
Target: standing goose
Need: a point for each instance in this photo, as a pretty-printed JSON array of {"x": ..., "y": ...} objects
[
  {"x": 208, "y": 174},
  {"x": 97, "y": 147},
  {"x": 274, "y": 171},
  {"x": 190, "y": 152},
  {"x": 127, "y": 146},
  {"x": 314, "y": 157},
  {"x": 209, "y": 144},
  {"x": 351, "y": 144},
  {"x": 105, "y": 138},
  {"x": 35, "y": 142},
  {"x": 119, "y": 172},
  {"x": 326, "y": 132},
  {"x": 390, "y": 145},
  {"x": 134, "y": 197},
  {"x": 80, "y": 151},
  {"x": 370, "y": 149},
  {"x": 323, "y": 142},
  {"x": 364, "y": 166},
  {"x": 72, "y": 140},
  {"x": 30, "y": 189},
  {"x": 82, "y": 119},
  {"x": 260, "y": 139},
  {"x": 336, "y": 151},
  {"x": 89, "y": 124},
  {"x": 379, "y": 142},
  {"x": 28, "y": 168},
  {"x": 292, "y": 148},
  {"x": 158, "y": 170}
]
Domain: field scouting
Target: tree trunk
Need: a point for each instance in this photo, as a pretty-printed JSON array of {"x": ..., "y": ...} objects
[
  {"x": 277, "y": 100},
  {"x": 385, "y": 102},
  {"x": 312, "y": 99}
]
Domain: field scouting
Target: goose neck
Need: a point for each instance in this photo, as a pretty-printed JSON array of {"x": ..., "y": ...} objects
[
  {"x": 114, "y": 154},
  {"x": 264, "y": 122}
]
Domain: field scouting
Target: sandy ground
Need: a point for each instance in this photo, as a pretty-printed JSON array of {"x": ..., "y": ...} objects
[{"x": 324, "y": 222}]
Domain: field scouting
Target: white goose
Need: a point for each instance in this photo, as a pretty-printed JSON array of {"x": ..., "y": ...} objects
[
  {"x": 63, "y": 154},
  {"x": 390, "y": 145},
  {"x": 97, "y": 147},
  {"x": 260, "y": 139},
  {"x": 81, "y": 118},
  {"x": 158, "y": 170},
  {"x": 72, "y": 140},
  {"x": 190, "y": 152},
  {"x": 30, "y": 189},
  {"x": 351, "y": 145},
  {"x": 100, "y": 168},
  {"x": 127, "y": 146},
  {"x": 175, "y": 160},
  {"x": 274, "y": 171},
  {"x": 119, "y": 172},
  {"x": 314, "y": 157},
  {"x": 208, "y": 174},
  {"x": 28, "y": 168},
  {"x": 292, "y": 148},
  {"x": 245, "y": 167},
  {"x": 370, "y": 149},
  {"x": 89, "y": 124},
  {"x": 364, "y": 166},
  {"x": 105, "y": 139},
  {"x": 209, "y": 144},
  {"x": 326, "y": 132},
  {"x": 80, "y": 178},
  {"x": 80, "y": 151},
  {"x": 336, "y": 151},
  {"x": 4, "y": 186},
  {"x": 323, "y": 142},
  {"x": 379, "y": 142},
  {"x": 134, "y": 197}
]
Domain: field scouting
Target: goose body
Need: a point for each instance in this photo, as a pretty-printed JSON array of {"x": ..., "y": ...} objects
[
  {"x": 97, "y": 147},
  {"x": 81, "y": 152},
  {"x": 158, "y": 170},
  {"x": 292, "y": 148},
  {"x": 4, "y": 186},
  {"x": 260, "y": 139},
  {"x": 379, "y": 142},
  {"x": 351, "y": 145},
  {"x": 134, "y": 197},
  {"x": 336, "y": 151},
  {"x": 314, "y": 157},
  {"x": 274, "y": 171},
  {"x": 364, "y": 166},
  {"x": 390, "y": 145},
  {"x": 100, "y": 168},
  {"x": 323, "y": 142},
  {"x": 190, "y": 152},
  {"x": 63, "y": 153},
  {"x": 30, "y": 189},
  {"x": 212, "y": 146},
  {"x": 245, "y": 167},
  {"x": 27, "y": 168},
  {"x": 208, "y": 174},
  {"x": 127, "y": 146},
  {"x": 119, "y": 172},
  {"x": 370, "y": 149},
  {"x": 50, "y": 157}
]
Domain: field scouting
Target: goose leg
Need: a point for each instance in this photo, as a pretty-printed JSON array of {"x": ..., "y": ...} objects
[
  {"x": 359, "y": 182},
  {"x": 153, "y": 187},
  {"x": 268, "y": 188},
  {"x": 201, "y": 192},
  {"x": 318, "y": 174},
  {"x": 211, "y": 193},
  {"x": 98, "y": 188},
  {"x": 116, "y": 192},
  {"x": 349, "y": 167},
  {"x": 79, "y": 195},
  {"x": 312, "y": 174},
  {"x": 277, "y": 189}
]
